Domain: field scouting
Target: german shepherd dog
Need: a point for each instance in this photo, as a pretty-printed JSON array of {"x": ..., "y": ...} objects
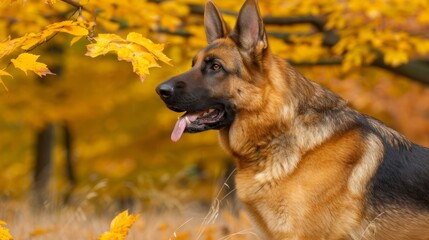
[{"x": 308, "y": 165}]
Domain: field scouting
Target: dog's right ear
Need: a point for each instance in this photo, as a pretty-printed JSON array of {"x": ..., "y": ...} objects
[
  {"x": 249, "y": 32},
  {"x": 214, "y": 23}
]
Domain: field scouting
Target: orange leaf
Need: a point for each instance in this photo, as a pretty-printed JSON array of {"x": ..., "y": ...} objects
[
  {"x": 153, "y": 48},
  {"x": 27, "y": 61},
  {"x": 119, "y": 226},
  {"x": 4, "y": 232},
  {"x": 140, "y": 51}
]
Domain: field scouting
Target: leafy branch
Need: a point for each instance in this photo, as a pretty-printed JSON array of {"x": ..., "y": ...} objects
[
  {"x": 141, "y": 52},
  {"x": 417, "y": 70}
]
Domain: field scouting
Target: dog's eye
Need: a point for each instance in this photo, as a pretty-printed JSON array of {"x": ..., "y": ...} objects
[{"x": 215, "y": 67}]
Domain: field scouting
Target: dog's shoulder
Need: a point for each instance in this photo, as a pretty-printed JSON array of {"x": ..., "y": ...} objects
[{"x": 402, "y": 178}]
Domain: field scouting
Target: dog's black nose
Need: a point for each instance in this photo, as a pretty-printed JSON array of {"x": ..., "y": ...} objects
[{"x": 165, "y": 90}]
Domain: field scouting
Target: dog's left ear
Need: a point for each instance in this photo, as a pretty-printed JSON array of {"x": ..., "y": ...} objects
[
  {"x": 214, "y": 23},
  {"x": 249, "y": 32}
]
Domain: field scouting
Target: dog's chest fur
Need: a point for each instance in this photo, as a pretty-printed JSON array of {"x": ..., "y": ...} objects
[{"x": 297, "y": 178}]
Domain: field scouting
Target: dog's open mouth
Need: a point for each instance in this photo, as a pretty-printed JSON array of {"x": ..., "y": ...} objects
[{"x": 197, "y": 122}]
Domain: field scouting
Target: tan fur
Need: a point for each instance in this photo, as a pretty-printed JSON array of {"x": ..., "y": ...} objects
[
  {"x": 314, "y": 198},
  {"x": 397, "y": 224}
]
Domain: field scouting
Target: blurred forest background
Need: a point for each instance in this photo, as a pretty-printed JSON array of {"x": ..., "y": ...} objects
[{"x": 93, "y": 140}]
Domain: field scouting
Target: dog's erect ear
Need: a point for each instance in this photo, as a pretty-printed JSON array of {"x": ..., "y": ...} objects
[
  {"x": 214, "y": 23},
  {"x": 249, "y": 31}
]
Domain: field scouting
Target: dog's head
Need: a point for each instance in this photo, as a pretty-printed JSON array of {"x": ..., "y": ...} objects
[{"x": 225, "y": 77}]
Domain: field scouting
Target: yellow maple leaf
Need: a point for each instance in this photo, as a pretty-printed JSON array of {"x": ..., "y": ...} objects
[
  {"x": 4, "y": 232},
  {"x": 50, "y": 2},
  {"x": 395, "y": 57},
  {"x": 9, "y": 45},
  {"x": 119, "y": 226},
  {"x": 32, "y": 39},
  {"x": 421, "y": 45},
  {"x": 102, "y": 44},
  {"x": 28, "y": 61},
  {"x": 29, "y": 40},
  {"x": 153, "y": 48},
  {"x": 68, "y": 26},
  {"x": 140, "y": 51}
]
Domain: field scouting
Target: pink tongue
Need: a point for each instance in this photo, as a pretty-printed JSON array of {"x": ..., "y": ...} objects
[
  {"x": 181, "y": 124},
  {"x": 178, "y": 130}
]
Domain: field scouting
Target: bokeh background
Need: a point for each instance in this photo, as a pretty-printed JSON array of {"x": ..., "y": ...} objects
[{"x": 94, "y": 140}]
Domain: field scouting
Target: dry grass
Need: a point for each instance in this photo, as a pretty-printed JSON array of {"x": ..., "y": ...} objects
[
  {"x": 160, "y": 220},
  {"x": 25, "y": 222}
]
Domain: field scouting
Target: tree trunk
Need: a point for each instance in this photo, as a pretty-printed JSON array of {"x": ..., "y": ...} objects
[
  {"x": 69, "y": 157},
  {"x": 43, "y": 164}
]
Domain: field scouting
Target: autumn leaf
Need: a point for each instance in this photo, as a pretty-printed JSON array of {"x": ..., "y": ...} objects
[
  {"x": 9, "y": 45},
  {"x": 4, "y": 232},
  {"x": 395, "y": 57},
  {"x": 119, "y": 226},
  {"x": 140, "y": 51},
  {"x": 421, "y": 45},
  {"x": 28, "y": 61},
  {"x": 29, "y": 40},
  {"x": 102, "y": 44},
  {"x": 71, "y": 27},
  {"x": 155, "y": 49}
]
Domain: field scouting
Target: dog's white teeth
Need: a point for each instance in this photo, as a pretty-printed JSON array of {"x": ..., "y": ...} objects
[
  {"x": 207, "y": 112},
  {"x": 187, "y": 120}
]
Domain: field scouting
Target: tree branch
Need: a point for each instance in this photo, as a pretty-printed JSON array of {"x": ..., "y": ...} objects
[
  {"x": 179, "y": 32},
  {"x": 317, "y": 22},
  {"x": 414, "y": 69},
  {"x": 199, "y": 10},
  {"x": 320, "y": 62},
  {"x": 73, "y": 3}
]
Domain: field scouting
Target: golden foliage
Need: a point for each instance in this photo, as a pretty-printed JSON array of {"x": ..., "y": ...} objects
[
  {"x": 119, "y": 226},
  {"x": 27, "y": 61},
  {"x": 365, "y": 29},
  {"x": 30, "y": 40},
  {"x": 4, "y": 232},
  {"x": 140, "y": 51}
]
